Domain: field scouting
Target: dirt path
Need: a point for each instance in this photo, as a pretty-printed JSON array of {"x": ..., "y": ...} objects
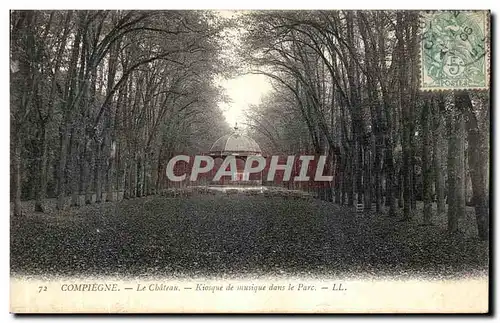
[{"x": 234, "y": 236}]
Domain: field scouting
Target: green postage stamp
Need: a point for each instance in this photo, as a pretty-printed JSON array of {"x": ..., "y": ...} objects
[{"x": 454, "y": 50}]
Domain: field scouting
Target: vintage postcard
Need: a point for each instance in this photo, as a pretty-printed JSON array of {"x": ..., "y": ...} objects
[{"x": 262, "y": 161}]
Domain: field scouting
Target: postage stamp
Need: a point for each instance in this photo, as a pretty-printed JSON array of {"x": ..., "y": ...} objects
[{"x": 454, "y": 50}]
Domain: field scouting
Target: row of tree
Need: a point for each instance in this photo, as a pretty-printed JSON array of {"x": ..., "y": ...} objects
[
  {"x": 100, "y": 100},
  {"x": 347, "y": 84}
]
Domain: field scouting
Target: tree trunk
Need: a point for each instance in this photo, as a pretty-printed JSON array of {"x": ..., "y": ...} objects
[
  {"x": 41, "y": 190},
  {"x": 461, "y": 196},
  {"x": 406, "y": 174},
  {"x": 404, "y": 107},
  {"x": 16, "y": 171},
  {"x": 456, "y": 196},
  {"x": 153, "y": 187},
  {"x": 338, "y": 180},
  {"x": 426, "y": 163},
  {"x": 478, "y": 163},
  {"x": 378, "y": 174},
  {"x": 438, "y": 156},
  {"x": 452, "y": 169},
  {"x": 348, "y": 179},
  {"x": 358, "y": 172},
  {"x": 61, "y": 169},
  {"x": 67, "y": 123},
  {"x": 87, "y": 171},
  {"x": 98, "y": 173},
  {"x": 390, "y": 182},
  {"x": 133, "y": 177},
  {"x": 126, "y": 179},
  {"x": 109, "y": 181},
  {"x": 367, "y": 201},
  {"x": 74, "y": 170},
  {"x": 460, "y": 133}
]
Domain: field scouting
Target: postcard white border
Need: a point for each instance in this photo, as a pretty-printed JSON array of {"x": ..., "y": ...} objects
[{"x": 151, "y": 4}]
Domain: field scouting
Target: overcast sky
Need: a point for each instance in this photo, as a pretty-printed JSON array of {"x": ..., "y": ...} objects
[{"x": 242, "y": 90}]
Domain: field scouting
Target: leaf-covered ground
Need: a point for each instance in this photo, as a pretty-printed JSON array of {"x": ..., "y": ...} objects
[{"x": 234, "y": 235}]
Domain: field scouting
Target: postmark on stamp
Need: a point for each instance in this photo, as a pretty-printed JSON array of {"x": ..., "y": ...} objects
[{"x": 454, "y": 50}]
